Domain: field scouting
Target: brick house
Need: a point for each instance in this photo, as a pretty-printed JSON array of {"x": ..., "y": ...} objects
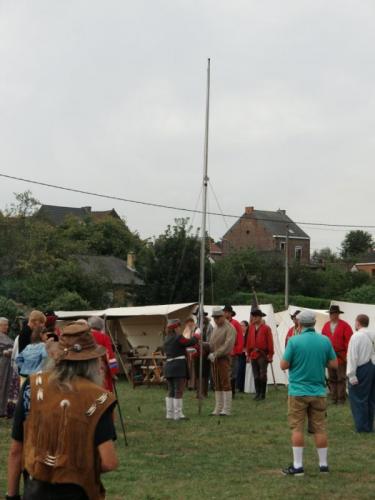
[
  {"x": 265, "y": 231},
  {"x": 366, "y": 264}
]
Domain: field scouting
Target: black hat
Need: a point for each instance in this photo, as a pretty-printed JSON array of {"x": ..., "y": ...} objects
[
  {"x": 295, "y": 314},
  {"x": 229, "y": 309},
  {"x": 257, "y": 312},
  {"x": 335, "y": 309}
]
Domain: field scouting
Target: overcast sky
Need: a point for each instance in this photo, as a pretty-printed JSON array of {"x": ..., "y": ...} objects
[{"x": 109, "y": 96}]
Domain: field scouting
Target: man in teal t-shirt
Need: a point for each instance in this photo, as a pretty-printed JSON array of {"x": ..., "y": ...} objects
[{"x": 307, "y": 356}]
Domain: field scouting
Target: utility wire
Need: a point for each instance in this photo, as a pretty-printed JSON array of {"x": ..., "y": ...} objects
[{"x": 179, "y": 209}]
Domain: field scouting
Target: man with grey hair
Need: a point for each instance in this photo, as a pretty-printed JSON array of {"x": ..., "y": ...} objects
[
  {"x": 221, "y": 344},
  {"x": 63, "y": 431},
  {"x": 109, "y": 364},
  {"x": 306, "y": 356}
]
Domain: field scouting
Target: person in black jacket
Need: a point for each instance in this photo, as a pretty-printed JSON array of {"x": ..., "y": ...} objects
[{"x": 176, "y": 370}]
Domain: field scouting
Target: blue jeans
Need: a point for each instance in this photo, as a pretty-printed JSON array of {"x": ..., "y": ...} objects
[{"x": 362, "y": 398}]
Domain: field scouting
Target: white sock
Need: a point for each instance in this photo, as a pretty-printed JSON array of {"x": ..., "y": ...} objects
[
  {"x": 322, "y": 452},
  {"x": 297, "y": 457}
]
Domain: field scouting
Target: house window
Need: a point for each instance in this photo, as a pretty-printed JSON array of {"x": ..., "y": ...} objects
[
  {"x": 298, "y": 253},
  {"x": 373, "y": 273},
  {"x": 282, "y": 245}
]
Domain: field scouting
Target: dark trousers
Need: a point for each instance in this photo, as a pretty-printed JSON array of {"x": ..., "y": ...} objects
[
  {"x": 241, "y": 373},
  {"x": 39, "y": 490},
  {"x": 362, "y": 398},
  {"x": 176, "y": 387},
  {"x": 260, "y": 367},
  {"x": 337, "y": 383}
]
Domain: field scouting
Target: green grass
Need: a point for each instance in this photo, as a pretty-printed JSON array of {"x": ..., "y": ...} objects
[{"x": 237, "y": 457}]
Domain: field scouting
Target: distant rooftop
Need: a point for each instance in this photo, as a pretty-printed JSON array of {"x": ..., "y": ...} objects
[
  {"x": 117, "y": 270},
  {"x": 275, "y": 223},
  {"x": 57, "y": 215}
]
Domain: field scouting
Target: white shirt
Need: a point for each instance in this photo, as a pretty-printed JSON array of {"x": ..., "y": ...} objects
[{"x": 360, "y": 351}]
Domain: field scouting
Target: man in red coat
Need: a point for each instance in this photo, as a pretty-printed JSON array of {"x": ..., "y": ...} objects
[
  {"x": 260, "y": 351},
  {"x": 229, "y": 314},
  {"x": 295, "y": 329},
  {"x": 339, "y": 333},
  {"x": 109, "y": 362}
]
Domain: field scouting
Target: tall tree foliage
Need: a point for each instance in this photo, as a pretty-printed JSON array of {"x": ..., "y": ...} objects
[
  {"x": 356, "y": 243},
  {"x": 171, "y": 266},
  {"x": 37, "y": 264}
]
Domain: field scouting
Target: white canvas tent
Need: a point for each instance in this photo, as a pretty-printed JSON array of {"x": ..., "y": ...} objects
[
  {"x": 144, "y": 326},
  {"x": 136, "y": 326},
  {"x": 284, "y": 322},
  {"x": 351, "y": 311},
  {"x": 243, "y": 313}
]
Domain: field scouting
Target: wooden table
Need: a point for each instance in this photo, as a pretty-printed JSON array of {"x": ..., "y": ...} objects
[{"x": 147, "y": 369}]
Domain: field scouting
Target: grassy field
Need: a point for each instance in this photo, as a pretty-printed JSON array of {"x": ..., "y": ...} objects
[{"x": 237, "y": 457}]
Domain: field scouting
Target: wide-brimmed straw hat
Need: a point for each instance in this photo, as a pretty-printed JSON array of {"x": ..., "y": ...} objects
[
  {"x": 217, "y": 311},
  {"x": 76, "y": 343}
]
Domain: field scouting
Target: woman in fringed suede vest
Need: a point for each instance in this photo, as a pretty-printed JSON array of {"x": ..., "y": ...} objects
[{"x": 63, "y": 429}]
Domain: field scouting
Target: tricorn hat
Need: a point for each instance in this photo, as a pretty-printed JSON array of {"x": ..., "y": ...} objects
[
  {"x": 295, "y": 314},
  {"x": 229, "y": 309},
  {"x": 257, "y": 312},
  {"x": 335, "y": 309},
  {"x": 75, "y": 344},
  {"x": 173, "y": 323}
]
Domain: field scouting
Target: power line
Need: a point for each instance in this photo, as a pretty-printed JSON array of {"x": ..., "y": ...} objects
[{"x": 179, "y": 209}]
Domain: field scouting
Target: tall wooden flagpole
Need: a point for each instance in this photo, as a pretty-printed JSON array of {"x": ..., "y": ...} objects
[{"x": 203, "y": 240}]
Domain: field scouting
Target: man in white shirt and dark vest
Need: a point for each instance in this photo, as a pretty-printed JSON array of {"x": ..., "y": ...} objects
[{"x": 361, "y": 375}]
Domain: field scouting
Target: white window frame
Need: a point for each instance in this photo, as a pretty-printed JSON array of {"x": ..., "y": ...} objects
[{"x": 298, "y": 249}]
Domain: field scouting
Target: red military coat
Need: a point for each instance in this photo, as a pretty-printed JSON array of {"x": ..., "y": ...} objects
[
  {"x": 110, "y": 366},
  {"x": 260, "y": 342},
  {"x": 238, "y": 345},
  {"x": 340, "y": 338},
  {"x": 291, "y": 332}
]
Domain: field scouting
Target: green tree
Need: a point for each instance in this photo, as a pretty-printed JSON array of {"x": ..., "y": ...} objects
[
  {"x": 356, "y": 243},
  {"x": 324, "y": 256},
  {"x": 9, "y": 309},
  {"x": 171, "y": 266}
]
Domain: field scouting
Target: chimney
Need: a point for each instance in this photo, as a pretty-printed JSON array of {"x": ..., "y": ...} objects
[
  {"x": 87, "y": 209},
  {"x": 249, "y": 210},
  {"x": 282, "y": 212},
  {"x": 131, "y": 261}
]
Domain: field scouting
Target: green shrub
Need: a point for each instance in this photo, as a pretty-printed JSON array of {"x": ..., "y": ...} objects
[
  {"x": 364, "y": 294},
  {"x": 69, "y": 301},
  {"x": 10, "y": 310}
]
